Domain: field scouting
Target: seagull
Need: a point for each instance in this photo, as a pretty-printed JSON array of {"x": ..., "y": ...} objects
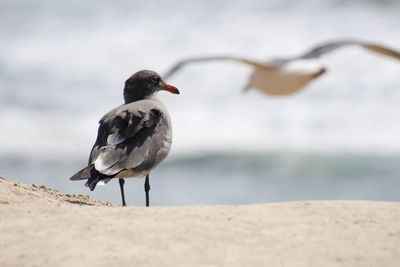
[
  {"x": 133, "y": 138},
  {"x": 285, "y": 76}
]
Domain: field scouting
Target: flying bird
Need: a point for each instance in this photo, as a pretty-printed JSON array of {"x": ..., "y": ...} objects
[
  {"x": 285, "y": 76},
  {"x": 133, "y": 138}
]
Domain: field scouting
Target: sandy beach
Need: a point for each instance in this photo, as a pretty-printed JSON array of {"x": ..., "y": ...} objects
[{"x": 44, "y": 227}]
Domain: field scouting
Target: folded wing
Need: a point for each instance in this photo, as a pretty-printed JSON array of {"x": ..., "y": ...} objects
[
  {"x": 123, "y": 146},
  {"x": 123, "y": 141}
]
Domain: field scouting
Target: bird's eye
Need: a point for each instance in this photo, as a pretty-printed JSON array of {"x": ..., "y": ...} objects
[{"x": 155, "y": 79}]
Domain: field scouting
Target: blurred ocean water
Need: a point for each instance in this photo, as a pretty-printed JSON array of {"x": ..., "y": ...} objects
[{"x": 63, "y": 65}]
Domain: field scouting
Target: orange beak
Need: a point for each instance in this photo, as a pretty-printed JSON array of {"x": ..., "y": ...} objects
[{"x": 171, "y": 89}]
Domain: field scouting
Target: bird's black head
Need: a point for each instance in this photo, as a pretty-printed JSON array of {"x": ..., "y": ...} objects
[{"x": 143, "y": 84}]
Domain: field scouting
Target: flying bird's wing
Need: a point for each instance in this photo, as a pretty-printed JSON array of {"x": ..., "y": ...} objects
[
  {"x": 382, "y": 50},
  {"x": 328, "y": 47},
  {"x": 178, "y": 65}
]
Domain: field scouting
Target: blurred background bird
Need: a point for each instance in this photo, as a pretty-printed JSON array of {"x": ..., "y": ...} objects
[
  {"x": 285, "y": 76},
  {"x": 62, "y": 63}
]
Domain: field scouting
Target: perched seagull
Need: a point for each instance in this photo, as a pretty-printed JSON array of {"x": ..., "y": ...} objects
[
  {"x": 286, "y": 76},
  {"x": 133, "y": 138}
]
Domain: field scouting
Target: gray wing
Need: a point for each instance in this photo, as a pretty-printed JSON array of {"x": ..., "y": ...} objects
[
  {"x": 328, "y": 47},
  {"x": 178, "y": 65},
  {"x": 122, "y": 137}
]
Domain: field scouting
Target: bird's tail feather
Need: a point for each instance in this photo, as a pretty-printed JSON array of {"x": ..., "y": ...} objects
[
  {"x": 92, "y": 182},
  {"x": 96, "y": 177},
  {"x": 85, "y": 173},
  {"x": 92, "y": 175}
]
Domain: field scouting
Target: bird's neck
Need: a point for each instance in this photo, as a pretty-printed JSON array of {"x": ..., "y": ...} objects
[{"x": 129, "y": 98}]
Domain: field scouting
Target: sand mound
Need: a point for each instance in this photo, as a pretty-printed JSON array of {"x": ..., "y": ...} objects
[
  {"x": 15, "y": 192},
  {"x": 40, "y": 226}
]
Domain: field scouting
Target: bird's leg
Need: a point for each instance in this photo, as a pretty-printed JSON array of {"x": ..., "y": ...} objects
[
  {"x": 121, "y": 185},
  {"x": 147, "y": 189}
]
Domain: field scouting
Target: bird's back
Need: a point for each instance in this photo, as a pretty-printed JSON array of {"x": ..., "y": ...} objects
[{"x": 132, "y": 139}]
